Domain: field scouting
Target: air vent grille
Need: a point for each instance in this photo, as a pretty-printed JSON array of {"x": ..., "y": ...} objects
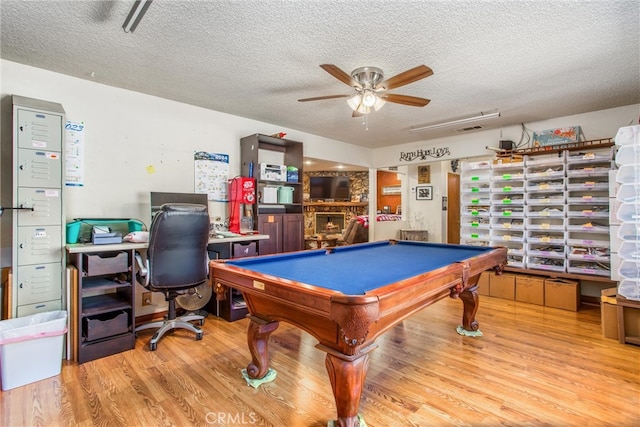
[{"x": 469, "y": 128}]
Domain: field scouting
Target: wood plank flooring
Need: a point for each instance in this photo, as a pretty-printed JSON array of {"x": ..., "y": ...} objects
[{"x": 534, "y": 366}]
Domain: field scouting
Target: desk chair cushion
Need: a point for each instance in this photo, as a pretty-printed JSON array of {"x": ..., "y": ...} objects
[{"x": 177, "y": 253}]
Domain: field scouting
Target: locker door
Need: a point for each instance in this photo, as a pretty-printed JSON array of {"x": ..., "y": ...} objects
[
  {"x": 37, "y": 283},
  {"x": 46, "y": 204},
  {"x": 38, "y": 245},
  {"x": 38, "y": 168},
  {"x": 39, "y": 131}
]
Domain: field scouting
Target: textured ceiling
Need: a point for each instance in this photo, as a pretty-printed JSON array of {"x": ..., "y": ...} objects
[{"x": 530, "y": 60}]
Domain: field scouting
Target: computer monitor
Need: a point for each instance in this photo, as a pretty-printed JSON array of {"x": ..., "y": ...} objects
[{"x": 159, "y": 198}]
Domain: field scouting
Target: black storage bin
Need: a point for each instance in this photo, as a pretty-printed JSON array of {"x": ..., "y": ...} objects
[
  {"x": 105, "y": 325},
  {"x": 241, "y": 250}
]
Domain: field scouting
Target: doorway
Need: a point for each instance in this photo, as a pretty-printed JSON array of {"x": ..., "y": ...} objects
[{"x": 453, "y": 208}]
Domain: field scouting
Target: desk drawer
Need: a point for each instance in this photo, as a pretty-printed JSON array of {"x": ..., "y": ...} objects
[
  {"x": 105, "y": 325},
  {"x": 105, "y": 263},
  {"x": 245, "y": 249}
]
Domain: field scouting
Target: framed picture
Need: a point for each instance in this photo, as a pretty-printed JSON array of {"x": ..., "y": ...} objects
[
  {"x": 424, "y": 192},
  {"x": 424, "y": 174}
]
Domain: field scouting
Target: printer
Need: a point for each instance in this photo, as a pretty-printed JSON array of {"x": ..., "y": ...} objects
[{"x": 270, "y": 172}]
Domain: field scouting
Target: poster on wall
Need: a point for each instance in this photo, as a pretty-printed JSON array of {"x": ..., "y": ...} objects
[
  {"x": 424, "y": 174},
  {"x": 74, "y": 154},
  {"x": 211, "y": 175}
]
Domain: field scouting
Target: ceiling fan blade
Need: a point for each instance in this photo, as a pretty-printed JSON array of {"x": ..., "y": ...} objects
[
  {"x": 340, "y": 75},
  {"x": 409, "y": 76},
  {"x": 356, "y": 114},
  {"x": 413, "y": 101},
  {"x": 319, "y": 98}
]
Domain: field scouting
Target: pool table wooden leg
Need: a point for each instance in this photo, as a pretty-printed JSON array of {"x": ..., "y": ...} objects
[
  {"x": 470, "y": 302},
  {"x": 258, "y": 340},
  {"x": 347, "y": 377}
]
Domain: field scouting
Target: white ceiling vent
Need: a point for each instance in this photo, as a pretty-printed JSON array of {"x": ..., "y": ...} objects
[{"x": 469, "y": 128}]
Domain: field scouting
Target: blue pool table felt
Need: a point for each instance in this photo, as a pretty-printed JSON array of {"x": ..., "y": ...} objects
[{"x": 358, "y": 269}]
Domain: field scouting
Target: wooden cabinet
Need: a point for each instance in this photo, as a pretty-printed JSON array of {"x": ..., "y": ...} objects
[
  {"x": 286, "y": 233},
  {"x": 282, "y": 220},
  {"x": 103, "y": 316}
]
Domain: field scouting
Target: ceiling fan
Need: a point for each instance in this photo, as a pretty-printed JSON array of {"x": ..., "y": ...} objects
[{"x": 370, "y": 87}]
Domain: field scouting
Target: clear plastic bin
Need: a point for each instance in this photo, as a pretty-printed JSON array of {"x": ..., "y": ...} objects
[
  {"x": 629, "y": 174},
  {"x": 630, "y": 289},
  {"x": 630, "y": 251},
  {"x": 629, "y": 212},
  {"x": 628, "y": 193},
  {"x": 629, "y": 231},
  {"x": 628, "y": 155},
  {"x": 589, "y": 267},
  {"x": 628, "y": 135},
  {"x": 589, "y": 157},
  {"x": 31, "y": 348},
  {"x": 545, "y": 224},
  {"x": 629, "y": 269}
]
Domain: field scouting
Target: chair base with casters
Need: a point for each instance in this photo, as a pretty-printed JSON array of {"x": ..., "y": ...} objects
[{"x": 172, "y": 322}]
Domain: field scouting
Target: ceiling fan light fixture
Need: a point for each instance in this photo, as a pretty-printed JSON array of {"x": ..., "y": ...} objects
[
  {"x": 379, "y": 103},
  {"x": 363, "y": 109},
  {"x": 369, "y": 98},
  {"x": 354, "y": 102}
]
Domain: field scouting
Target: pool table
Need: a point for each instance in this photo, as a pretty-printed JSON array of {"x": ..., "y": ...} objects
[{"x": 347, "y": 296}]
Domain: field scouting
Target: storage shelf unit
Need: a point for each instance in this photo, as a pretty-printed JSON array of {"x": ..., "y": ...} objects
[
  {"x": 625, "y": 235},
  {"x": 551, "y": 210},
  {"x": 283, "y": 222},
  {"x": 103, "y": 310}
]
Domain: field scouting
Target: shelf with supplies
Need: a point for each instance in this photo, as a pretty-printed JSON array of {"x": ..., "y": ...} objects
[
  {"x": 103, "y": 292},
  {"x": 277, "y": 164},
  {"x": 539, "y": 202}
]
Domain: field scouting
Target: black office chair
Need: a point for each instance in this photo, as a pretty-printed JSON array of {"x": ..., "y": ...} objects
[{"x": 176, "y": 262}]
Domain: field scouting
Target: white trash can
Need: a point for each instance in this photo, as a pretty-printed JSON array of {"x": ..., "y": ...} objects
[{"x": 31, "y": 348}]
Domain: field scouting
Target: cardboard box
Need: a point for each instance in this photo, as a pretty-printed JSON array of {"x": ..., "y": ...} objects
[
  {"x": 502, "y": 286},
  {"x": 632, "y": 322},
  {"x": 483, "y": 282},
  {"x": 609, "y": 306},
  {"x": 530, "y": 289},
  {"x": 562, "y": 293},
  {"x": 609, "y": 313}
]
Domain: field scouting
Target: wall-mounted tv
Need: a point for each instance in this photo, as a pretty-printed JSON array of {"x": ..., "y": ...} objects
[{"x": 337, "y": 188}]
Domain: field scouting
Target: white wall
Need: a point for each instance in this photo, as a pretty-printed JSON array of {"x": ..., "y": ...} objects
[
  {"x": 595, "y": 125},
  {"x": 136, "y": 143}
]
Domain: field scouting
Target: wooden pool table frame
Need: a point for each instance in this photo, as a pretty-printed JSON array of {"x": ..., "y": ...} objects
[{"x": 346, "y": 326}]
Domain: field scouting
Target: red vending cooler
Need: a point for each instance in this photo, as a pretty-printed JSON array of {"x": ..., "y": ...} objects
[{"x": 242, "y": 194}]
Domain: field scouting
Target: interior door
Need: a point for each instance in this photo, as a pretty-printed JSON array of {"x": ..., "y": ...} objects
[{"x": 453, "y": 208}]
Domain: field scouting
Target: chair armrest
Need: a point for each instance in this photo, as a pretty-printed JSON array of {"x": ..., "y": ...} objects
[{"x": 142, "y": 270}]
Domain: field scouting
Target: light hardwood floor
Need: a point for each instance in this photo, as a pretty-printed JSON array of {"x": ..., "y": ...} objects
[{"x": 534, "y": 366}]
